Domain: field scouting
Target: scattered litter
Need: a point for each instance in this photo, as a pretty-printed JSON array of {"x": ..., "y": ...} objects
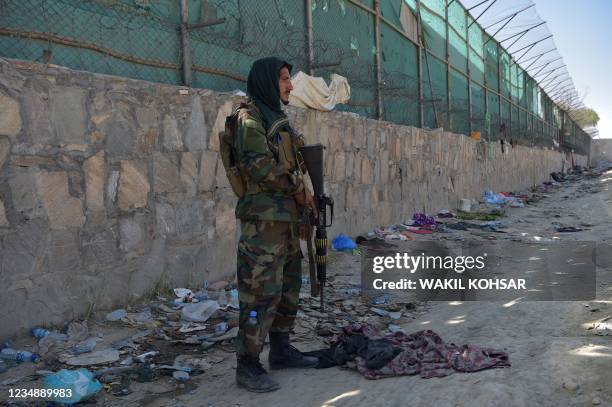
[
  {"x": 218, "y": 286},
  {"x": 180, "y": 376},
  {"x": 231, "y": 334},
  {"x": 143, "y": 357},
  {"x": 127, "y": 361},
  {"x": 381, "y": 300},
  {"x": 77, "y": 331},
  {"x": 445, "y": 214},
  {"x": 18, "y": 355},
  {"x": 234, "y": 302},
  {"x": 85, "y": 346},
  {"x": 144, "y": 317},
  {"x": 116, "y": 315},
  {"x": 422, "y": 219},
  {"x": 184, "y": 295},
  {"x": 376, "y": 356},
  {"x": 200, "y": 311},
  {"x": 81, "y": 383},
  {"x": 380, "y": 312},
  {"x": 395, "y": 315},
  {"x": 569, "y": 229},
  {"x": 343, "y": 243},
  {"x": 221, "y": 328},
  {"x": 40, "y": 333},
  {"x": 502, "y": 198},
  {"x": 191, "y": 327},
  {"x": 99, "y": 357}
]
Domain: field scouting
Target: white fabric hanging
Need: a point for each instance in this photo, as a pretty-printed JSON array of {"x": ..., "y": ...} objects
[{"x": 313, "y": 92}]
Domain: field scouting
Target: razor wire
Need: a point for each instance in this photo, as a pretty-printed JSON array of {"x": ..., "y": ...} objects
[{"x": 458, "y": 78}]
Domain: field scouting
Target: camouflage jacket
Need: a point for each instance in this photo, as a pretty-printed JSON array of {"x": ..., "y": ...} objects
[{"x": 257, "y": 156}]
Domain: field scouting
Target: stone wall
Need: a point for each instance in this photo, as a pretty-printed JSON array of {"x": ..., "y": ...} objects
[
  {"x": 111, "y": 189},
  {"x": 601, "y": 149}
]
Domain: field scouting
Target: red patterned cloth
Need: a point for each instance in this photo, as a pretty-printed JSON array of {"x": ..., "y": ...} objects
[{"x": 423, "y": 353}]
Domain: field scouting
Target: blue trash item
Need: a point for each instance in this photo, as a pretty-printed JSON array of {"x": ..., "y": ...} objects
[
  {"x": 343, "y": 243},
  {"x": 40, "y": 333},
  {"x": 492, "y": 198},
  {"x": 252, "y": 318},
  {"x": 80, "y": 383},
  {"x": 18, "y": 355}
]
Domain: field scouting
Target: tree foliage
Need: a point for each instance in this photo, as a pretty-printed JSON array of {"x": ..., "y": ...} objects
[{"x": 585, "y": 117}]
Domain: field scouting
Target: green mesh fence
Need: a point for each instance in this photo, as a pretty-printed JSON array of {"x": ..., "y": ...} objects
[{"x": 445, "y": 72}]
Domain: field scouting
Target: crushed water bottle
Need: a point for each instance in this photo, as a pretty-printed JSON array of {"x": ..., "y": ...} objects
[
  {"x": 40, "y": 333},
  {"x": 234, "y": 303},
  {"x": 18, "y": 355},
  {"x": 252, "y": 318}
]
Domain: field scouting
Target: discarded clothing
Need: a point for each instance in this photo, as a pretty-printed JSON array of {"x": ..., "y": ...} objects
[
  {"x": 377, "y": 356},
  {"x": 422, "y": 231},
  {"x": 421, "y": 219},
  {"x": 566, "y": 229}
]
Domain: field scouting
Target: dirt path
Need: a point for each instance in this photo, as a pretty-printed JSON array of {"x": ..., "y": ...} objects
[{"x": 549, "y": 343}]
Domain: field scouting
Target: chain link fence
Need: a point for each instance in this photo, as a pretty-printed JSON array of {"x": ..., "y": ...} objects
[{"x": 420, "y": 63}]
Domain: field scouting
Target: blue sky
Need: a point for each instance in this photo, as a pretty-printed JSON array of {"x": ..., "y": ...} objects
[{"x": 583, "y": 34}]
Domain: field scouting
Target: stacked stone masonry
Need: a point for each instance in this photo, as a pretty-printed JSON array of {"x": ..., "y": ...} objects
[{"x": 111, "y": 189}]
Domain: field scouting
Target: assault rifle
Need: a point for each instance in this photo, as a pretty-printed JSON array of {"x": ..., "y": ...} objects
[{"x": 313, "y": 159}]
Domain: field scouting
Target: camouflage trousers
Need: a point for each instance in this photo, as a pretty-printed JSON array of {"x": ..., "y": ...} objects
[{"x": 269, "y": 281}]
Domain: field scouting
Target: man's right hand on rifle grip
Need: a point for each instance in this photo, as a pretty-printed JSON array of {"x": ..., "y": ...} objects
[{"x": 305, "y": 199}]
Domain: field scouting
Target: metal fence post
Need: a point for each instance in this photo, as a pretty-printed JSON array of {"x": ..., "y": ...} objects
[
  {"x": 186, "y": 54},
  {"x": 309, "y": 37},
  {"x": 449, "y": 121},
  {"x": 420, "y": 57},
  {"x": 379, "y": 104},
  {"x": 469, "y": 75}
]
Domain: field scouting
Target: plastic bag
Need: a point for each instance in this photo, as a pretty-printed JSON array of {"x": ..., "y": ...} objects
[
  {"x": 80, "y": 383},
  {"x": 491, "y": 197},
  {"x": 199, "y": 311},
  {"x": 343, "y": 243}
]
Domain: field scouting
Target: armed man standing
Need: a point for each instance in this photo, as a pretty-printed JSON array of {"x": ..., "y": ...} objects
[{"x": 269, "y": 254}]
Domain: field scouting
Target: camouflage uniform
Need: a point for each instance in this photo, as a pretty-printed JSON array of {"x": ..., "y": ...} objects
[{"x": 269, "y": 255}]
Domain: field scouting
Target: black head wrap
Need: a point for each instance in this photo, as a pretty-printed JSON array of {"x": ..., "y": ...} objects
[{"x": 262, "y": 88}]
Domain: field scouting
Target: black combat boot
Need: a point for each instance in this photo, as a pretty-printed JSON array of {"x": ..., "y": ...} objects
[
  {"x": 251, "y": 375},
  {"x": 282, "y": 355}
]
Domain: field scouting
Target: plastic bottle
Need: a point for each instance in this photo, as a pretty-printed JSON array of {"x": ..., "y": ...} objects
[
  {"x": 234, "y": 299},
  {"x": 223, "y": 300},
  {"x": 18, "y": 355},
  {"x": 40, "y": 333},
  {"x": 252, "y": 318}
]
